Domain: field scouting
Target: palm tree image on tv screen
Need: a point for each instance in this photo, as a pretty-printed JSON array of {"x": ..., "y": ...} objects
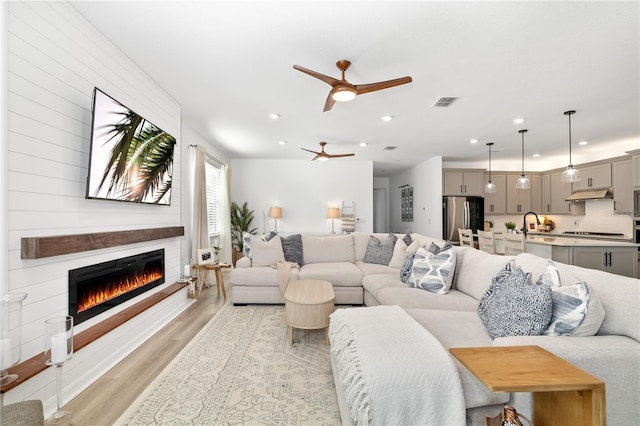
[{"x": 131, "y": 159}]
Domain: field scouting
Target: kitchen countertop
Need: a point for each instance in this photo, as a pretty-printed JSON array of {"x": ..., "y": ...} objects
[
  {"x": 576, "y": 242},
  {"x": 585, "y": 237}
]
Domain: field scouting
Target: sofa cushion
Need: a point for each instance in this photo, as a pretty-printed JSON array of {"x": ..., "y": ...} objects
[
  {"x": 266, "y": 253},
  {"x": 375, "y": 282},
  {"x": 457, "y": 329},
  {"x": 401, "y": 251},
  {"x": 264, "y": 276},
  {"x": 416, "y": 298},
  {"x": 374, "y": 268},
  {"x": 379, "y": 252},
  {"x": 292, "y": 248},
  {"x": 475, "y": 269},
  {"x": 513, "y": 306},
  {"x": 434, "y": 271},
  {"x": 340, "y": 274},
  {"x": 333, "y": 248}
]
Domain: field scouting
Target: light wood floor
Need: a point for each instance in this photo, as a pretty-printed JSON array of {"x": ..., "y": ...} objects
[{"x": 106, "y": 399}]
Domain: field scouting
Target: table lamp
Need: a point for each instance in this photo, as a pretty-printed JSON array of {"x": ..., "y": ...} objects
[
  {"x": 275, "y": 213},
  {"x": 333, "y": 213}
]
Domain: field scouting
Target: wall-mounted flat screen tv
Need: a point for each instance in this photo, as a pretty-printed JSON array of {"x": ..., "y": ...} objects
[{"x": 131, "y": 159}]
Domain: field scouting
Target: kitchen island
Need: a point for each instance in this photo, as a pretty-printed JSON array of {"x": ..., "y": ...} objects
[{"x": 616, "y": 257}]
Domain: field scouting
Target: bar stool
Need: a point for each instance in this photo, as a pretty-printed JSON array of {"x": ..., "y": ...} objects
[{"x": 486, "y": 241}]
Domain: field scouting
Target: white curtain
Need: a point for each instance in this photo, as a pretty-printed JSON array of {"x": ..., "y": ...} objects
[
  {"x": 225, "y": 213},
  {"x": 200, "y": 227}
]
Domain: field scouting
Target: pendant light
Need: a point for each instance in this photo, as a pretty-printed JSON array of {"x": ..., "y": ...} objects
[
  {"x": 571, "y": 174},
  {"x": 490, "y": 187},
  {"x": 523, "y": 180}
]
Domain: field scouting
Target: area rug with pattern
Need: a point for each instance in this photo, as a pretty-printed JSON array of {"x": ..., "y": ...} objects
[{"x": 240, "y": 370}]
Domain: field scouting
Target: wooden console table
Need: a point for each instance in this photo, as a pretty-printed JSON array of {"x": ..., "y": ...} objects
[
  {"x": 201, "y": 271},
  {"x": 563, "y": 394}
]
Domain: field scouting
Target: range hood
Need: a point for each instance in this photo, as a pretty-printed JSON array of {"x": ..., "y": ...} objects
[{"x": 592, "y": 194}]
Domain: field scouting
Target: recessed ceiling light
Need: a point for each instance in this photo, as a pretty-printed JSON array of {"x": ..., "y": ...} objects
[
  {"x": 536, "y": 155},
  {"x": 363, "y": 144},
  {"x": 274, "y": 116},
  {"x": 473, "y": 141},
  {"x": 518, "y": 120},
  {"x": 583, "y": 143},
  {"x": 282, "y": 142},
  {"x": 386, "y": 117}
]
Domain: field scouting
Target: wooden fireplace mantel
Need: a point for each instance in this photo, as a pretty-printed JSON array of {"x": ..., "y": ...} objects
[{"x": 39, "y": 247}]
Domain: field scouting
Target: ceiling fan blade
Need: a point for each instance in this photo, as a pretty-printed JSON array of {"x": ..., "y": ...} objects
[
  {"x": 329, "y": 80},
  {"x": 329, "y": 103},
  {"x": 314, "y": 158},
  {"x": 308, "y": 150},
  {"x": 372, "y": 87},
  {"x": 340, "y": 155}
]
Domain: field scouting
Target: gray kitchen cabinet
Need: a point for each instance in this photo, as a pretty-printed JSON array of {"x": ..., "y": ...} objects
[
  {"x": 636, "y": 170},
  {"x": 545, "y": 193},
  {"x": 462, "y": 183},
  {"x": 536, "y": 193},
  {"x": 518, "y": 200},
  {"x": 496, "y": 203},
  {"x": 617, "y": 260},
  {"x": 559, "y": 192},
  {"x": 593, "y": 177},
  {"x": 622, "y": 187}
]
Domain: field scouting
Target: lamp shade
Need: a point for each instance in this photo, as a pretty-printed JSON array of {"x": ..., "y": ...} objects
[
  {"x": 333, "y": 213},
  {"x": 275, "y": 212}
]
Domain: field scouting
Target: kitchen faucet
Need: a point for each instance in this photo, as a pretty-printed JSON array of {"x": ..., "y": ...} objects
[{"x": 524, "y": 222}]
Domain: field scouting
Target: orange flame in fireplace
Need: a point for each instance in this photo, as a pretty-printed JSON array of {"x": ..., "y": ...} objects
[{"x": 116, "y": 289}]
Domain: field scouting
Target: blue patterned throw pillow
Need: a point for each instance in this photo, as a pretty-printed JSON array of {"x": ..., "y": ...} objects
[
  {"x": 434, "y": 272},
  {"x": 570, "y": 302},
  {"x": 513, "y": 306},
  {"x": 405, "y": 271}
]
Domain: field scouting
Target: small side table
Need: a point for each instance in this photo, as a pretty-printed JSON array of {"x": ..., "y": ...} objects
[
  {"x": 308, "y": 304},
  {"x": 563, "y": 394},
  {"x": 201, "y": 270}
]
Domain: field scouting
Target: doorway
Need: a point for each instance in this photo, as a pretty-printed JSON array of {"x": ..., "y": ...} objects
[{"x": 380, "y": 207}]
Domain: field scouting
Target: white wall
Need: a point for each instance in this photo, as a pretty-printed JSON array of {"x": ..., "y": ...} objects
[
  {"x": 426, "y": 179},
  {"x": 55, "y": 58},
  {"x": 304, "y": 189}
]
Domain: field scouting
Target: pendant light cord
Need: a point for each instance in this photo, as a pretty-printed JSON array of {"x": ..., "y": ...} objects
[{"x": 569, "y": 113}]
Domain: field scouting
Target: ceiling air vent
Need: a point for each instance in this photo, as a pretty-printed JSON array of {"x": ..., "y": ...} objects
[
  {"x": 389, "y": 148},
  {"x": 444, "y": 102}
]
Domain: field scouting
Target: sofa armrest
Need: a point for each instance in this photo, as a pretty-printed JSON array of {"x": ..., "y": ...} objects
[{"x": 243, "y": 262}]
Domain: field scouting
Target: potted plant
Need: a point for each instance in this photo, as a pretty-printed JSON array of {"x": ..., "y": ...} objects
[
  {"x": 216, "y": 252},
  {"x": 511, "y": 227},
  {"x": 241, "y": 218}
]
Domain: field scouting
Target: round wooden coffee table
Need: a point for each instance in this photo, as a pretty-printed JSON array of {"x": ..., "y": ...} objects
[{"x": 308, "y": 304}]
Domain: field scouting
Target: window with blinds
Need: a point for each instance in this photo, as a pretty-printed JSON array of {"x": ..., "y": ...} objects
[{"x": 212, "y": 172}]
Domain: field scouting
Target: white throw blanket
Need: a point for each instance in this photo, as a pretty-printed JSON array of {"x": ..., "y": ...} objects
[{"x": 393, "y": 371}]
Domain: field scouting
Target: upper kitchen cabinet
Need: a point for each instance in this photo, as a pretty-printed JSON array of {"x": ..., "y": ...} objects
[
  {"x": 545, "y": 193},
  {"x": 536, "y": 193},
  {"x": 460, "y": 182},
  {"x": 496, "y": 203},
  {"x": 636, "y": 170},
  {"x": 594, "y": 177},
  {"x": 559, "y": 192},
  {"x": 622, "y": 187},
  {"x": 518, "y": 200}
]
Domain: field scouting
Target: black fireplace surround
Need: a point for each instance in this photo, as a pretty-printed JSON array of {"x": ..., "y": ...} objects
[{"x": 97, "y": 288}]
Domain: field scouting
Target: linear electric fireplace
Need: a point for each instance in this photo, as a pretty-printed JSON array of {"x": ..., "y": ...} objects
[{"x": 97, "y": 288}]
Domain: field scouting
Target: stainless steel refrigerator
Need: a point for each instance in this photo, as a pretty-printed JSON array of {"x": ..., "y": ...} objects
[{"x": 461, "y": 212}]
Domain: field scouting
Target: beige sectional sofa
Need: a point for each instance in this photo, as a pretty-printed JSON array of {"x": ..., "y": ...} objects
[{"x": 612, "y": 354}]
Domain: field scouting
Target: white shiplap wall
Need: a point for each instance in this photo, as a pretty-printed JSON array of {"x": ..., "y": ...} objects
[{"x": 54, "y": 60}]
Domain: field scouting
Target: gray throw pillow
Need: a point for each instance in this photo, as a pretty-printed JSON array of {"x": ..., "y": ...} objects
[
  {"x": 513, "y": 306},
  {"x": 380, "y": 253},
  {"x": 407, "y": 239},
  {"x": 292, "y": 248}
]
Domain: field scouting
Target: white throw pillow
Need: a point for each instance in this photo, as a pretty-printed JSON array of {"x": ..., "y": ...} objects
[
  {"x": 401, "y": 251},
  {"x": 266, "y": 253}
]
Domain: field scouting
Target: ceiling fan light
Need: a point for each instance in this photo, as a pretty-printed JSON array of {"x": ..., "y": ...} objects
[
  {"x": 523, "y": 182},
  {"x": 571, "y": 174},
  {"x": 343, "y": 93},
  {"x": 490, "y": 188},
  {"x": 322, "y": 158}
]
